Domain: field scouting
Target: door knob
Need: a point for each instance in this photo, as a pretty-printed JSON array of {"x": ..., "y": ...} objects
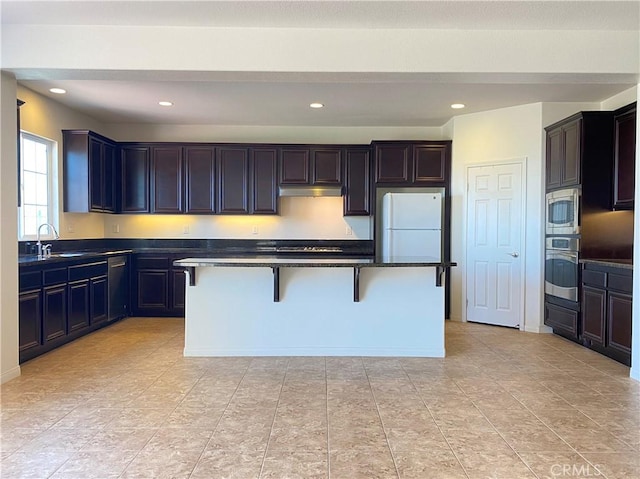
[{"x": 514, "y": 254}]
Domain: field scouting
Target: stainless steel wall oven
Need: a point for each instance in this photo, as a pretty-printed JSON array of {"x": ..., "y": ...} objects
[{"x": 562, "y": 271}]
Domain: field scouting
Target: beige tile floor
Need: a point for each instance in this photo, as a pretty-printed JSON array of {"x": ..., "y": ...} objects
[{"x": 123, "y": 402}]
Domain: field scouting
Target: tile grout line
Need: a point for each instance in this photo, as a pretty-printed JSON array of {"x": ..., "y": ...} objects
[{"x": 386, "y": 437}]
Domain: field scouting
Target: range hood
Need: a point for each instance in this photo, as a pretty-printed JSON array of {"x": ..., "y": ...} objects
[{"x": 310, "y": 191}]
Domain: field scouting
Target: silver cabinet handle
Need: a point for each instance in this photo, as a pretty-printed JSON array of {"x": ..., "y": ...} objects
[{"x": 514, "y": 254}]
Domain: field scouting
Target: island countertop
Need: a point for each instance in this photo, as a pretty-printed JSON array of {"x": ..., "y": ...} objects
[{"x": 314, "y": 262}]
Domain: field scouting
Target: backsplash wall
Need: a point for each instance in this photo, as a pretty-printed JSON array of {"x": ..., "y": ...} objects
[{"x": 299, "y": 218}]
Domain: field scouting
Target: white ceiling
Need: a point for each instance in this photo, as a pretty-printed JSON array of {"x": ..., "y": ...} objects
[{"x": 358, "y": 99}]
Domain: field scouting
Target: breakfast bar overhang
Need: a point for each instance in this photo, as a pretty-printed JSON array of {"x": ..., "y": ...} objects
[{"x": 275, "y": 306}]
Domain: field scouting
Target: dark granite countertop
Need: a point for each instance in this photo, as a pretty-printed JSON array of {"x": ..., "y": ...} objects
[
  {"x": 616, "y": 263},
  {"x": 335, "y": 262},
  {"x": 69, "y": 256}
]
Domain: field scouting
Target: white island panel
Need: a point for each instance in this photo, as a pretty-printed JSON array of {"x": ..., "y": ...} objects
[{"x": 230, "y": 312}]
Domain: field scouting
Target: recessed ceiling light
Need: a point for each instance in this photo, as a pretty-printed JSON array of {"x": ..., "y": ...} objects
[
  {"x": 457, "y": 106},
  {"x": 316, "y": 105},
  {"x": 59, "y": 91},
  {"x": 165, "y": 103}
]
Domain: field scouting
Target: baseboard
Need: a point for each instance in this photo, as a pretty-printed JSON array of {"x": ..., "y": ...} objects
[{"x": 9, "y": 375}]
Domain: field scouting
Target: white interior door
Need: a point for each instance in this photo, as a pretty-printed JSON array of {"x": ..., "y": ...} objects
[{"x": 494, "y": 239}]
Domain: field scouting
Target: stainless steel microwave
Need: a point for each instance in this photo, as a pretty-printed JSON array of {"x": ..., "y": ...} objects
[{"x": 563, "y": 212}]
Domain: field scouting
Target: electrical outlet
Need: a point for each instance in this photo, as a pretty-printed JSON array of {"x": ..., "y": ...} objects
[
  {"x": 254, "y": 230},
  {"x": 71, "y": 228},
  {"x": 185, "y": 230},
  {"x": 348, "y": 231},
  {"x": 115, "y": 228}
]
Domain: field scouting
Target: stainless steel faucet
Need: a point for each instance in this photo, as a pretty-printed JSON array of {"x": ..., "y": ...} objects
[{"x": 44, "y": 252}]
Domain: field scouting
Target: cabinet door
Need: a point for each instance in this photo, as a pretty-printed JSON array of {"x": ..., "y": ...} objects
[
  {"x": 357, "y": 178},
  {"x": 30, "y": 314},
  {"x": 153, "y": 291},
  {"x": 571, "y": 137},
  {"x": 166, "y": 179},
  {"x": 233, "y": 180},
  {"x": 78, "y": 305},
  {"x": 554, "y": 159},
  {"x": 430, "y": 164},
  {"x": 109, "y": 178},
  {"x": 96, "y": 155},
  {"x": 99, "y": 299},
  {"x": 200, "y": 180},
  {"x": 54, "y": 315},
  {"x": 326, "y": 166},
  {"x": 294, "y": 167},
  {"x": 264, "y": 196},
  {"x": 561, "y": 319},
  {"x": 135, "y": 180},
  {"x": 593, "y": 314},
  {"x": 619, "y": 322},
  {"x": 393, "y": 164},
  {"x": 178, "y": 291},
  {"x": 625, "y": 160},
  {"x": 118, "y": 287}
]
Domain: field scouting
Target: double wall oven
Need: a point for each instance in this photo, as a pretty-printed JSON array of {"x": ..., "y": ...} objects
[{"x": 562, "y": 246}]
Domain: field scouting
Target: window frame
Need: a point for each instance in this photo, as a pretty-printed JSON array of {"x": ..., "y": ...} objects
[{"x": 52, "y": 190}]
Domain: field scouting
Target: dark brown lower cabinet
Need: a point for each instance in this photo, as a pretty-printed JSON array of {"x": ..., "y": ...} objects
[
  {"x": 99, "y": 299},
  {"x": 30, "y": 324},
  {"x": 60, "y": 302},
  {"x": 564, "y": 321},
  {"x": 606, "y": 309},
  {"x": 54, "y": 315},
  {"x": 159, "y": 288},
  {"x": 79, "y": 305}
]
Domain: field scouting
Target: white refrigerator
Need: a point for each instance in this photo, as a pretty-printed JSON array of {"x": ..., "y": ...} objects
[{"x": 412, "y": 225}]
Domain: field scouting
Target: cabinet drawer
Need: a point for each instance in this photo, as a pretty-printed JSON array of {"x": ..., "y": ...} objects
[
  {"x": 594, "y": 278},
  {"x": 54, "y": 276},
  {"x": 86, "y": 271},
  {"x": 561, "y": 318},
  {"x": 620, "y": 282},
  {"x": 30, "y": 280},
  {"x": 153, "y": 262}
]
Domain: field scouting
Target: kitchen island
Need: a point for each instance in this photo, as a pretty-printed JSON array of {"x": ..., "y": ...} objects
[{"x": 280, "y": 306}]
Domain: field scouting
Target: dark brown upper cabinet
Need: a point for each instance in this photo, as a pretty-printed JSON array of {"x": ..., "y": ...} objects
[
  {"x": 167, "y": 179},
  {"x": 563, "y": 154},
  {"x": 326, "y": 166},
  {"x": 264, "y": 196},
  {"x": 89, "y": 163},
  {"x": 135, "y": 179},
  {"x": 357, "y": 197},
  {"x": 412, "y": 163},
  {"x": 200, "y": 172},
  {"x": 294, "y": 166},
  {"x": 233, "y": 180},
  {"x": 579, "y": 152},
  {"x": 624, "y": 157}
]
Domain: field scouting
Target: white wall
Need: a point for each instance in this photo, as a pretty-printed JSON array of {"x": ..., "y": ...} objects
[
  {"x": 495, "y": 136},
  {"x": 268, "y": 134},
  {"x": 47, "y": 118},
  {"x": 9, "y": 366},
  {"x": 299, "y": 218}
]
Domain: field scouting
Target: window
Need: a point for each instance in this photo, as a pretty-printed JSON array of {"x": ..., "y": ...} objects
[{"x": 36, "y": 185}]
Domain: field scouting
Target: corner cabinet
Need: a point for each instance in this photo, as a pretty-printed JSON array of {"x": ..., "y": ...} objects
[
  {"x": 424, "y": 163},
  {"x": 158, "y": 288},
  {"x": 89, "y": 172},
  {"x": 624, "y": 157},
  {"x": 607, "y": 309}
]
